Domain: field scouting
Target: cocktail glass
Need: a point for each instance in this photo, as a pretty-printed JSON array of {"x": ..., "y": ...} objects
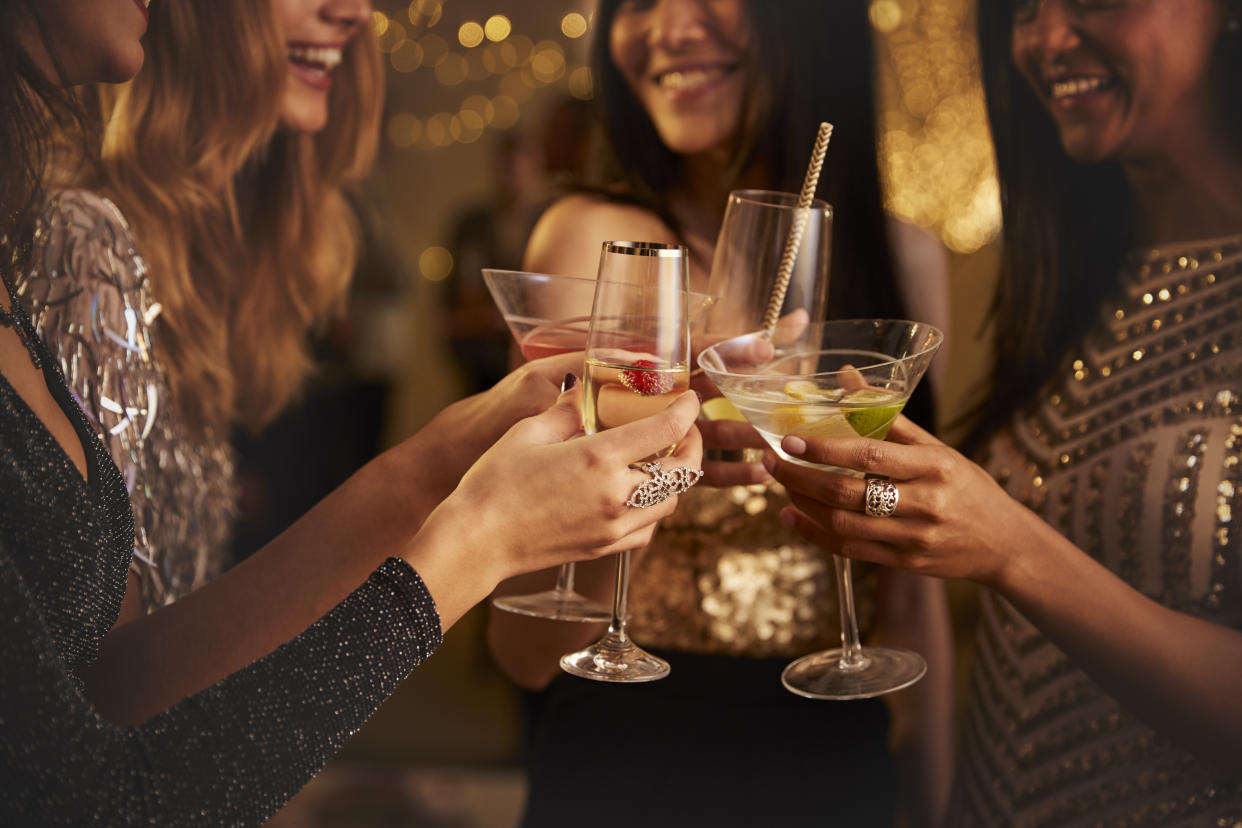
[{"x": 845, "y": 378}]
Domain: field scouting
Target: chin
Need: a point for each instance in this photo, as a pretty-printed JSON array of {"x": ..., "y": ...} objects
[{"x": 304, "y": 120}]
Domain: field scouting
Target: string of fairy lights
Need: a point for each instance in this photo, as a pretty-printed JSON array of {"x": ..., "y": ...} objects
[
  {"x": 935, "y": 150},
  {"x": 478, "y": 55}
]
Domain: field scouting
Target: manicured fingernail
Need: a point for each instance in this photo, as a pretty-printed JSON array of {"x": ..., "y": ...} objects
[
  {"x": 787, "y": 518},
  {"x": 769, "y": 461},
  {"x": 794, "y": 445},
  {"x": 700, "y": 396},
  {"x": 569, "y": 382}
]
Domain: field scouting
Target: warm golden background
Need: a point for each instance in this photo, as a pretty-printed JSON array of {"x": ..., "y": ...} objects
[{"x": 465, "y": 77}]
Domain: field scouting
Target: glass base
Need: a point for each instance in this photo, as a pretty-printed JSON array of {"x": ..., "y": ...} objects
[
  {"x": 882, "y": 670},
  {"x": 613, "y": 658},
  {"x": 555, "y": 605}
]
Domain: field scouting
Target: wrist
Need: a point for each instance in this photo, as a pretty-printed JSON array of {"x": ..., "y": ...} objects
[{"x": 453, "y": 555}]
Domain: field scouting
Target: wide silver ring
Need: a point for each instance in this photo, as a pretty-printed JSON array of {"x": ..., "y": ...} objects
[
  {"x": 881, "y": 498},
  {"x": 662, "y": 485}
]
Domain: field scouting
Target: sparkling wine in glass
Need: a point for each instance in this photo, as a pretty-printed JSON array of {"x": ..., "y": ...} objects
[
  {"x": 845, "y": 378},
  {"x": 637, "y": 362},
  {"x": 550, "y": 315}
]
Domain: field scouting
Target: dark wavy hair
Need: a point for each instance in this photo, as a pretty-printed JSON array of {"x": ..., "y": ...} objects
[
  {"x": 812, "y": 62},
  {"x": 36, "y": 109},
  {"x": 1067, "y": 226}
]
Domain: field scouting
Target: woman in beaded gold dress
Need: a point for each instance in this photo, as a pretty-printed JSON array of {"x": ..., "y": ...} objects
[
  {"x": 699, "y": 98},
  {"x": 1106, "y": 682}
]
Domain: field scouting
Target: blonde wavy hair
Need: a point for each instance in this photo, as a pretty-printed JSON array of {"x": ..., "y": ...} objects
[{"x": 245, "y": 227}]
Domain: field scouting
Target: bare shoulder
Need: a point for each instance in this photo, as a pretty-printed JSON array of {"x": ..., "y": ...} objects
[
  {"x": 568, "y": 236},
  {"x": 922, "y": 271}
]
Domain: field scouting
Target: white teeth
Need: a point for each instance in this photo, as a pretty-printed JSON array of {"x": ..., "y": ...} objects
[
  {"x": 146, "y": 3},
  {"x": 1075, "y": 86},
  {"x": 328, "y": 57},
  {"x": 684, "y": 80}
]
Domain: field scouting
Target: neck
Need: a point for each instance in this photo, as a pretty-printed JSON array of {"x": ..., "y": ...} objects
[
  {"x": 1195, "y": 193},
  {"x": 699, "y": 203}
]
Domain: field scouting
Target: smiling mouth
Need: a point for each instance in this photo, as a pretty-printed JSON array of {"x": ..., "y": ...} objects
[
  {"x": 322, "y": 58},
  {"x": 681, "y": 80},
  {"x": 1068, "y": 90}
]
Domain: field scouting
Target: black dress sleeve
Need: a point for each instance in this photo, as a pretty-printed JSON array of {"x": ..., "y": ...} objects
[{"x": 229, "y": 755}]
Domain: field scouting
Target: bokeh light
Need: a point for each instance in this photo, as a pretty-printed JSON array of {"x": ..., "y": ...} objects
[
  {"x": 497, "y": 28},
  {"x": 425, "y": 13},
  {"x": 393, "y": 36},
  {"x": 582, "y": 83},
  {"x": 573, "y": 25},
  {"x": 407, "y": 57},
  {"x": 434, "y": 47},
  {"x": 452, "y": 70},
  {"x": 470, "y": 34},
  {"x": 402, "y": 130},
  {"x": 435, "y": 264}
]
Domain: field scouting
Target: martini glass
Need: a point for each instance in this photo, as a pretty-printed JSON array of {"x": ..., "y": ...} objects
[
  {"x": 637, "y": 363},
  {"x": 845, "y": 378},
  {"x": 549, "y": 315}
]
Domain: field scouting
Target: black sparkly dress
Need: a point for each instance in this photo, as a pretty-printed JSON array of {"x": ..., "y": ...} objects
[{"x": 229, "y": 755}]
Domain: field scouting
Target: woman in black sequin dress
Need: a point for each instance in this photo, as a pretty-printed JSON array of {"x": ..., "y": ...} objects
[{"x": 348, "y": 620}]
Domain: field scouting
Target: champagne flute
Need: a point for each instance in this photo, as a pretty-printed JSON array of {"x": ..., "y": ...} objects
[
  {"x": 549, "y": 315},
  {"x": 846, "y": 378},
  {"x": 637, "y": 363}
]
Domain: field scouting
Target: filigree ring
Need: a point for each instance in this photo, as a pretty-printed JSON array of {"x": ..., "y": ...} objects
[
  {"x": 662, "y": 485},
  {"x": 881, "y": 498}
]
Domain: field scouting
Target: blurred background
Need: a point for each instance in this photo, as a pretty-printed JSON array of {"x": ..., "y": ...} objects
[{"x": 487, "y": 111}]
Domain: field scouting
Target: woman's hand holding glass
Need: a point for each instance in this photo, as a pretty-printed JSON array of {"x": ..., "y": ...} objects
[
  {"x": 952, "y": 520},
  {"x": 545, "y": 494}
]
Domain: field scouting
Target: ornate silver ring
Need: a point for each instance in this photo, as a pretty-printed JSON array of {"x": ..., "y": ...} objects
[
  {"x": 662, "y": 485},
  {"x": 882, "y": 496}
]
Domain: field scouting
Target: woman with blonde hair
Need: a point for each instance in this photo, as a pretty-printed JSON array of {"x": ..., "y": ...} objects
[
  {"x": 230, "y": 712},
  {"x": 227, "y": 157}
]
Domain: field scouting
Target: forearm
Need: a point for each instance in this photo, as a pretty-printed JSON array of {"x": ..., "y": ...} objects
[
  {"x": 149, "y": 664},
  {"x": 1178, "y": 673},
  {"x": 913, "y": 614},
  {"x": 529, "y": 650}
]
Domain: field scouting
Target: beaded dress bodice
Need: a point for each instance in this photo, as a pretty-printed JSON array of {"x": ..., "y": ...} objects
[
  {"x": 724, "y": 575},
  {"x": 1135, "y": 455},
  {"x": 90, "y": 300}
]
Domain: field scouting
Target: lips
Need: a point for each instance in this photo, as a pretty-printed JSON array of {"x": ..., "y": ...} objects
[
  {"x": 142, "y": 7},
  {"x": 313, "y": 63},
  {"x": 1070, "y": 90},
  {"x": 689, "y": 79}
]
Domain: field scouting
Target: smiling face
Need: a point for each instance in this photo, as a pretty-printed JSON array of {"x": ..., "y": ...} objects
[
  {"x": 1122, "y": 79},
  {"x": 316, "y": 33},
  {"x": 684, "y": 60},
  {"x": 93, "y": 40}
]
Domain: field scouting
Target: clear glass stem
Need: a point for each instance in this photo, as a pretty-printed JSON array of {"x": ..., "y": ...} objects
[
  {"x": 851, "y": 649},
  {"x": 565, "y": 579},
  {"x": 620, "y": 596}
]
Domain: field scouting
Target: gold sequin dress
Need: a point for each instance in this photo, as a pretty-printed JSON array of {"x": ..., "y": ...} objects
[
  {"x": 90, "y": 300},
  {"x": 724, "y": 576},
  {"x": 1134, "y": 455}
]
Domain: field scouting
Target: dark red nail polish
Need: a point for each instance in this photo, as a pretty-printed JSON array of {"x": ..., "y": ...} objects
[{"x": 569, "y": 382}]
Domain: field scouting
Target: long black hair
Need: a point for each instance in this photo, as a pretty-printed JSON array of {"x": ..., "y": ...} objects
[
  {"x": 812, "y": 63},
  {"x": 1067, "y": 226},
  {"x": 35, "y": 109}
]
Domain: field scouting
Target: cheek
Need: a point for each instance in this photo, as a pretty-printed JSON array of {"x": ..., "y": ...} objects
[{"x": 627, "y": 51}]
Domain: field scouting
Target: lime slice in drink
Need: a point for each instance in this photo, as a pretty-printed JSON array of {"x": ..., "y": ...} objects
[
  {"x": 872, "y": 420},
  {"x": 807, "y": 390},
  {"x": 719, "y": 408},
  {"x": 791, "y": 419}
]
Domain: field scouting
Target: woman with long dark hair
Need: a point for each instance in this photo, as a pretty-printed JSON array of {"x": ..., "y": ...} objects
[
  {"x": 1104, "y": 686},
  {"x": 337, "y": 615},
  {"x": 697, "y": 99}
]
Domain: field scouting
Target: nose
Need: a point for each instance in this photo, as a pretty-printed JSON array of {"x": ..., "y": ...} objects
[
  {"x": 1052, "y": 33},
  {"x": 346, "y": 12},
  {"x": 677, "y": 22}
]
